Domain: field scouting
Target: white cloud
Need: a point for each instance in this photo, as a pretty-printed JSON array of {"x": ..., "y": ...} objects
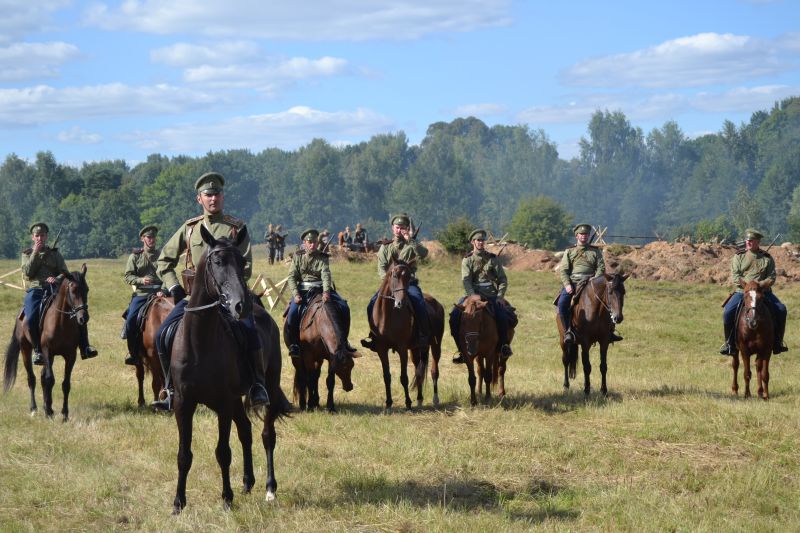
[
  {"x": 22, "y": 17},
  {"x": 44, "y": 104},
  {"x": 743, "y": 99},
  {"x": 221, "y": 53},
  {"x": 351, "y": 20},
  {"x": 697, "y": 60},
  {"x": 480, "y": 110},
  {"x": 288, "y": 130},
  {"x": 77, "y": 135},
  {"x": 26, "y": 61}
]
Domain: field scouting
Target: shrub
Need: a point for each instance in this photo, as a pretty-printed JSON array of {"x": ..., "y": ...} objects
[{"x": 455, "y": 236}]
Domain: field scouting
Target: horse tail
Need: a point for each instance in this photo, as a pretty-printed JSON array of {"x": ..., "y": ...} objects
[
  {"x": 11, "y": 361},
  {"x": 279, "y": 406}
]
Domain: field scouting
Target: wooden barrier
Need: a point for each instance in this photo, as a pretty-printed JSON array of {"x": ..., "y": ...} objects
[{"x": 263, "y": 286}]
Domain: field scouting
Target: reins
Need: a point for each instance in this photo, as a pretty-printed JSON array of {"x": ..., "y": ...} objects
[
  {"x": 222, "y": 299},
  {"x": 74, "y": 311}
]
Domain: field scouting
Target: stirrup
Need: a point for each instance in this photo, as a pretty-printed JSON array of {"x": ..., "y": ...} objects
[
  {"x": 779, "y": 347},
  {"x": 257, "y": 395},
  {"x": 131, "y": 360},
  {"x": 294, "y": 350},
  {"x": 89, "y": 352},
  {"x": 569, "y": 337},
  {"x": 38, "y": 357},
  {"x": 459, "y": 359},
  {"x": 726, "y": 349},
  {"x": 164, "y": 402},
  {"x": 615, "y": 338},
  {"x": 505, "y": 351}
]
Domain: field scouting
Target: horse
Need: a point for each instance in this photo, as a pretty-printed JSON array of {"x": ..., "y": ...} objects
[
  {"x": 206, "y": 366},
  {"x": 321, "y": 339},
  {"x": 754, "y": 335},
  {"x": 60, "y": 334},
  {"x": 478, "y": 332},
  {"x": 157, "y": 310},
  {"x": 392, "y": 325},
  {"x": 598, "y": 308}
]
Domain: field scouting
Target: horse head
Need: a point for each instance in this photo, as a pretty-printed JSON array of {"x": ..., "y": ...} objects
[
  {"x": 471, "y": 319},
  {"x": 343, "y": 367},
  {"x": 753, "y": 301},
  {"x": 76, "y": 295},
  {"x": 399, "y": 275},
  {"x": 222, "y": 270},
  {"x": 615, "y": 295}
]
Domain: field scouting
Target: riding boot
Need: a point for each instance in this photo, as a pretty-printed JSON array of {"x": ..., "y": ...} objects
[
  {"x": 124, "y": 333},
  {"x": 727, "y": 348},
  {"x": 164, "y": 402},
  {"x": 294, "y": 343},
  {"x": 569, "y": 336},
  {"x": 87, "y": 350},
  {"x": 505, "y": 351},
  {"x": 368, "y": 343},
  {"x": 346, "y": 329},
  {"x": 38, "y": 357},
  {"x": 132, "y": 358},
  {"x": 779, "y": 346},
  {"x": 614, "y": 336},
  {"x": 258, "y": 392},
  {"x": 459, "y": 357}
]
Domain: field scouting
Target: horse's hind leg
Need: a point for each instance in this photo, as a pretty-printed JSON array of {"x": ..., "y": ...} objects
[
  {"x": 565, "y": 361},
  {"x": 603, "y": 368},
  {"x": 223, "y": 454},
  {"x": 436, "y": 352},
  {"x": 747, "y": 375},
  {"x": 31, "y": 381},
  {"x": 66, "y": 385},
  {"x": 485, "y": 367},
  {"x": 587, "y": 369},
  {"x": 48, "y": 382},
  {"x": 330, "y": 383},
  {"x": 473, "y": 400},
  {"x": 762, "y": 368},
  {"x": 244, "y": 429},
  {"x": 184, "y": 413},
  {"x": 313, "y": 388},
  {"x": 387, "y": 377},
  {"x": 404, "y": 376},
  {"x": 268, "y": 438},
  {"x": 735, "y": 367},
  {"x": 140, "y": 380}
]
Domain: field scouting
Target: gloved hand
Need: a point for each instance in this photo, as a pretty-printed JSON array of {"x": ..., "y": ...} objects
[{"x": 177, "y": 293}]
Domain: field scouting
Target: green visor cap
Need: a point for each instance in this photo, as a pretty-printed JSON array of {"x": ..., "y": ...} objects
[
  {"x": 401, "y": 219},
  {"x": 210, "y": 183},
  {"x": 149, "y": 231},
  {"x": 753, "y": 234},
  {"x": 39, "y": 227},
  {"x": 309, "y": 235},
  {"x": 581, "y": 229},
  {"x": 478, "y": 234}
]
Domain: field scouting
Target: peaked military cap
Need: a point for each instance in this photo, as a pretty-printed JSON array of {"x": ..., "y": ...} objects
[
  {"x": 150, "y": 231},
  {"x": 401, "y": 219},
  {"x": 582, "y": 228},
  {"x": 751, "y": 234},
  {"x": 39, "y": 227},
  {"x": 210, "y": 182},
  {"x": 309, "y": 235},
  {"x": 478, "y": 234}
]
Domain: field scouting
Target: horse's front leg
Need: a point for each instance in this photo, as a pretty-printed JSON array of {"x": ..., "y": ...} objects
[
  {"x": 48, "y": 382},
  {"x": 747, "y": 374},
  {"x": 501, "y": 391},
  {"x": 223, "y": 455},
  {"x": 387, "y": 376},
  {"x": 330, "y": 382},
  {"x": 140, "y": 380},
  {"x": 735, "y": 367},
  {"x": 66, "y": 385},
  {"x": 313, "y": 388},
  {"x": 603, "y": 367},
  {"x": 244, "y": 429},
  {"x": 436, "y": 352},
  {"x": 184, "y": 413},
  {"x": 26, "y": 359},
  {"x": 565, "y": 362},
  {"x": 404, "y": 376},
  {"x": 762, "y": 369},
  {"x": 471, "y": 379},
  {"x": 485, "y": 370},
  {"x": 587, "y": 369},
  {"x": 269, "y": 438}
]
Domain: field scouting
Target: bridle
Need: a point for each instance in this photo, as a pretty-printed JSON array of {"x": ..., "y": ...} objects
[
  {"x": 74, "y": 310},
  {"x": 218, "y": 288},
  {"x": 605, "y": 304}
]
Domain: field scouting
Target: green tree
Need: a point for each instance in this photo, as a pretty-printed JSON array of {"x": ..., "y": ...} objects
[
  {"x": 541, "y": 222},
  {"x": 454, "y": 237}
]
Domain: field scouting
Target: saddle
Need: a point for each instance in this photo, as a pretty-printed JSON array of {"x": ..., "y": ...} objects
[
  {"x": 234, "y": 327},
  {"x": 576, "y": 294},
  {"x": 44, "y": 305}
]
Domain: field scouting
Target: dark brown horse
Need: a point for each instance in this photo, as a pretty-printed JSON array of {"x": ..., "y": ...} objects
[
  {"x": 754, "y": 336},
  {"x": 206, "y": 365},
  {"x": 478, "y": 332},
  {"x": 392, "y": 326},
  {"x": 598, "y": 308},
  {"x": 321, "y": 339},
  {"x": 60, "y": 333},
  {"x": 148, "y": 360}
]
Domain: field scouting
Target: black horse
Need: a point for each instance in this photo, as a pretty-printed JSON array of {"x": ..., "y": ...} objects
[{"x": 205, "y": 365}]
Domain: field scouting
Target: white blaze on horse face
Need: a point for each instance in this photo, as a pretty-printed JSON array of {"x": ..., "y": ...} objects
[{"x": 752, "y": 299}]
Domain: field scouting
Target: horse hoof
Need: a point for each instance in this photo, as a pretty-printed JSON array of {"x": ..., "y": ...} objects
[
  {"x": 226, "y": 505},
  {"x": 271, "y": 496},
  {"x": 436, "y": 400},
  {"x": 176, "y": 510}
]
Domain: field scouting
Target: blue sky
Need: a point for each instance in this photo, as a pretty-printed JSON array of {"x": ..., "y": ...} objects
[{"x": 106, "y": 80}]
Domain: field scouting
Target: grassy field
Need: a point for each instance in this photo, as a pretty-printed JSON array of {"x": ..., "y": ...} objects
[{"x": 668, "y": 449}]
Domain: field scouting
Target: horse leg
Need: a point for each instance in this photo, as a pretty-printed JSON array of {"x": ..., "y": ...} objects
[
  {"x": 565, "y": 361},
  {"x": 735, "y": 367},
  {"x": 502, "y": 379},
  {"x": 268, "y": 438},
  {"x": 436, "y": 352},
  {"x": 418, "y": 365},
  {"x": 404, "y": 376},
  {"x": 330, "y": 382},
  {"x": 140, "y": 382},
  {"x": 184, "y": 413},
  {"x": 764, "y": 376},
  {"x": 66, "y": 385},
  {"x": 387, "y": 376},
  {"x": 747, "y": 374},
  {"x": 26, "y": 360},
  {"x": 603, "y": 368},
  {"x": 471, "y": 379},
  {"x": 48, "y": 382},
  {"x": 313, "y": 389},
  {"x": 587, "y": 369},
  {"x": 223, "y": 455},
  {"x": 300, "y": 383},
  {"x": 244, "y": 429},
  {"x": 486, "y": 369}
]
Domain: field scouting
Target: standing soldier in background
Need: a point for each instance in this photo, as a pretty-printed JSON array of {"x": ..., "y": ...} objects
[
  {"x": 753, "y": 264},
  {"x": 272, "y": 243},
  {"x": 360, "y": 241},
  {"x": 579, "y": 263},
  {"x": 188, "y": 239},
  {"x": 280, "y": 242},
  {"x": 42, "y": 270},
  {"x": 140, "y": 273}
]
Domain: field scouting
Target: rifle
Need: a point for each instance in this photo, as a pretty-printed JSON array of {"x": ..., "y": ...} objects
[
  {"x": 55, "y": 241},
  {"x": 414, "y": 231},
  {"x": 773, "y": 242}
]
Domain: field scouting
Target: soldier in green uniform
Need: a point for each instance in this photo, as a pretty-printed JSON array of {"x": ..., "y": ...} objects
[
  {"x": 140, "y": 273},
  {"x": 482, "y": 274},
  {"x": 753, "y": 264},
  {"x": 360, "y": 241},
  {"x": 42, "y": 268},
  {"x": 309, "y": 273},
  {"x": 581, "y": 262},
  {"x": 405, "y": 248},
  {"x": 211, "y": 197}
]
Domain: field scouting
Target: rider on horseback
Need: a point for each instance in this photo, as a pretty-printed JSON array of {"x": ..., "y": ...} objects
[
  {"x": 579, "y": 263},
  {"x": 41, "y": 266},
  {"x": 405, "y": 248},
  {"x": 753, "y": 264},
  {"x": 309, "y": 274},
  {"x": 482, "y": 274},
  {"x": 188, "y": 240},
  {"x": 140, "y": 273}
]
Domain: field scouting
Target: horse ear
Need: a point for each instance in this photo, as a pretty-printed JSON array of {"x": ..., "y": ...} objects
[
  {"x": 83, "y": 269},
  {"x": 206, "y": 235},
  {"x": 240, "y": 236}
]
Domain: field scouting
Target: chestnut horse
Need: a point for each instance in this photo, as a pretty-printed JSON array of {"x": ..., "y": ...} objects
[
  {"x": 754, "y": 336},
  {"x": 60, "y": 333},
  {"x": 321, "y": 339},
  {"x": 478, "y": 332},
  {"x": 206, "y": 365},
  {"x": 392, "y": 327},
  {"x": 598, "y": 308},
  {"x": 148, "y": 360}
]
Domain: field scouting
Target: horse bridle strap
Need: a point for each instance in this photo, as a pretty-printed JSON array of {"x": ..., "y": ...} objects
[
  {"x": 73, "y": 312},
  {"x": 608, "y": 291},
  {"x": 222, "y": 299}
]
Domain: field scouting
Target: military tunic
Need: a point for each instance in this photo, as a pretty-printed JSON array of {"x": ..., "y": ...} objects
[
  {"x": 360, "y": 236},
  {"x": 482, "y": 273},
  {"x": 219, "y": 225},
  {"x": 402, "y": 250},
  {"x": 751, "y": 266},
  {"x": 37, "y": 267},
  {"x": 141, "y": 264},
  {"x": 309, "y": 268},
  {"x": 581, "y": 262}
]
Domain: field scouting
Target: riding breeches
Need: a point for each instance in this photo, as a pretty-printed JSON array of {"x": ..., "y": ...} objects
[
  {"x": 565, "y": 307},
  {"x": 131, "y": 315}
]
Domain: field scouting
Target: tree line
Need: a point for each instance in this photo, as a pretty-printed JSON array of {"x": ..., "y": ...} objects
[{"x": 504, "y": 178}]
